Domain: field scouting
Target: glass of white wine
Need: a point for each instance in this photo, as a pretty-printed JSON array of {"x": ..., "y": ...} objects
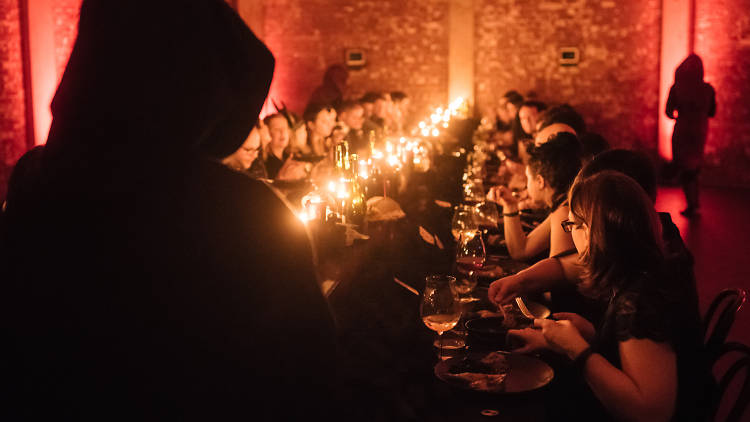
[{"x": 440, "y": 307}]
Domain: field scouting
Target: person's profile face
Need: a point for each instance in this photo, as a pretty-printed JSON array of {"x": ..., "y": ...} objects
[
  {"x": 354, "y": 117},
  {"x": 279, "y": 130},
  {"x": 380, "y": 108},
  {"x": 580, "y": 233},
  {"x": 512, "y": 109},
  {"x": 534, "y": 186},
  {"x": 323, "y": 125},
  {"x": 243, "y": 158},
  {"x": 528, "y": 117}
]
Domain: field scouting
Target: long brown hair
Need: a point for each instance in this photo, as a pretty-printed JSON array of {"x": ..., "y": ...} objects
[{"x": 624, "y": 231}]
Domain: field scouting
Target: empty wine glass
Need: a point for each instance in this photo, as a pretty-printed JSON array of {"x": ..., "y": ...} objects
[
  {"x": 470, "y": 258},
  {"x": 463, "y": 220},
  {"x": 439, "y": 308}
]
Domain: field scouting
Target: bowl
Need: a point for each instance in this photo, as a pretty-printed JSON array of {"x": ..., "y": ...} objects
[{"x": 486, "y": 334}]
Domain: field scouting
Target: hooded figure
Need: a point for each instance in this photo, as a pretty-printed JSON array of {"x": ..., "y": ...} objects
[
  {"x": 694, "y": 101},
  {"x": 331, "y": 91},
  {"x": 147, "y": 281}
]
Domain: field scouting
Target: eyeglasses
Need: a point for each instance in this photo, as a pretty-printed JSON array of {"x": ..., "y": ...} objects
[{"x": 567, "y": 225}]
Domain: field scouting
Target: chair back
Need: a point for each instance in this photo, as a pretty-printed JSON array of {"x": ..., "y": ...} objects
[
  {"x": 730, "y": 377},
  {"x": 720, "y": 317}
]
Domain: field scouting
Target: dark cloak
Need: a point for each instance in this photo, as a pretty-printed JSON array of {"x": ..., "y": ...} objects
[
  {"x": 694, "y": 101},
  {"x": 146, "y": 280}
]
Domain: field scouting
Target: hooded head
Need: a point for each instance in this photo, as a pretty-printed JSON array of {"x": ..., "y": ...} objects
[
  {"x": 158, "y": 78},
  {"x": 690, "y": 71}
]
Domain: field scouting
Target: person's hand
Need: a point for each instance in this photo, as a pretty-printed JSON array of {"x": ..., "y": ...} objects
[
  {"x": 583, "y": 325},
  {"x": 504, "y": 290},
  {"x": 533, "y": 340},
  {"x": 562, "y": 336},
  {"x": 292, "y": 170},
  {"x": 503, "y": 196}
]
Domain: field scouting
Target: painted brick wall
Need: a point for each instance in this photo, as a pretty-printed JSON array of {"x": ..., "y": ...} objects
[
  {"x": 406, "y": 43},
  {"x": 615, "y": 86},
  {"x": 12, "y": 108},
  {"x": 66, "y": 28},
  {"x": 723, "y": 41}
]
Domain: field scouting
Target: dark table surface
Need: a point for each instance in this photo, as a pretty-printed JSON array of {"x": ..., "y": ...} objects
[{"x": 386, "y": 353}]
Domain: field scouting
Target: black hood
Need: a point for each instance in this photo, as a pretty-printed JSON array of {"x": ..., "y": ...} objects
[{"x": 158, "y": 79}]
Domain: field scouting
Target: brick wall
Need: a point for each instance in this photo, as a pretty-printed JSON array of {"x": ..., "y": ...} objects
[
  {"x": 406, "y": 45},
  {"x": 723, "y": 41},
  {"x": 615, "y": 85},
  {"x": 66, "y": 28},
  {"x": 12, "y": 108}
]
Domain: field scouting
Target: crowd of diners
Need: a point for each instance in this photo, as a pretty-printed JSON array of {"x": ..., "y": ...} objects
[
  {"x": 157, "y": 322},
  {"x": 619, "y": 274}
]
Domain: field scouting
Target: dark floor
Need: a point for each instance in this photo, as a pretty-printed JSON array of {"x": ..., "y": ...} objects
[{"x": 720, "y": 242}]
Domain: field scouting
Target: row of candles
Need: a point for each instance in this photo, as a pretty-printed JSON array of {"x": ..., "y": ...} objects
[{"x": 357, "y": 178}]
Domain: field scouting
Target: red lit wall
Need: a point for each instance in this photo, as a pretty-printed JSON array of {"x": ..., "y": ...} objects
[
  {"x": 722, "y": 39},
  {"x": 406, "y": 43},
  {"x": 12, "y": 108},
  {"x": 615, "y": 85}
]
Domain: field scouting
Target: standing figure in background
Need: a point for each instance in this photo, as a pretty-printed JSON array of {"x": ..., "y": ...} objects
[
  {"x": 333, "y": 88},
  {"x": 691, "y": 101}
]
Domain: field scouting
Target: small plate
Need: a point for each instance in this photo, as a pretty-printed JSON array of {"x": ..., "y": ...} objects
[{"x": 525, "y": 373}]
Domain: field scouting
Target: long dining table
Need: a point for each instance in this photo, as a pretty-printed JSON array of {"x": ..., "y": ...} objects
[{"x": 387, "y": 355}]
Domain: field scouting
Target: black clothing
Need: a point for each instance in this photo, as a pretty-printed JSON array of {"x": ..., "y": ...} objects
[
  {"x": 257, "y": 169},
  {"x": 273, "y": 164},
  {"x": 660, "y": 308},
  {"x": 147, "y": 281}
]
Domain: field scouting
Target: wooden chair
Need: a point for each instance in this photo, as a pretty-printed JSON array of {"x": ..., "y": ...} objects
[
  {"x": 739, "y": 405},
  {"x": 719, "y": 319}
]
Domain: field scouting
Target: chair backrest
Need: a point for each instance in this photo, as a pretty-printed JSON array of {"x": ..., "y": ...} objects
[
  {"x": 740, "y": 403},
  {"x": 720, "y": 317}
]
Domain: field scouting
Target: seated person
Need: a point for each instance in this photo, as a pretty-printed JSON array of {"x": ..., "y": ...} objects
[
  {"x": 246, "y": 154},
  {"x": 277, "y": 158},
  {"x": 561, "y": 118},
  {"x": 559, "y": 272},
  {"x": 550, "y": 172},
  {"x": 319, "y": 127},
  {"x": 644, "y": 360},
  {"x": 351, "y": 114}
]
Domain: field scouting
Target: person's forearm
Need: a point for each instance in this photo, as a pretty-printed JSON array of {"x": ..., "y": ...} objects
[
  {"x": 618, "y": 393},
  {"x": 515, "y": 238},
  {"x": 542, "y": 276}
]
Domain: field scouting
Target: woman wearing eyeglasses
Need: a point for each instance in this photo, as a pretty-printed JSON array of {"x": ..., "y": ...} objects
[{"x": 644, "y": 360}]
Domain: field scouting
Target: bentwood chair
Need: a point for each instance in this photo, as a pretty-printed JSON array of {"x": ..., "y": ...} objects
[
  {"x": 720, "y": 317},
  {"x": 732, "y": 376}
]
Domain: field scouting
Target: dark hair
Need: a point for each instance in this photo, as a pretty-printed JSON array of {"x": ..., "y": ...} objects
[
  {"x": 557, "y": 161},
  {"x": 398, "y": 96},
  {"x": 267, "y": 119},
  {"x": 565, "y": 114},
  {"x": 624, "y": 231},
  {"x": 370, "y": 97},
  {"x": 633, "y": 164},
  {"x": 348, "y": 105},
  {"x": 593, "y": 143},
  {"x": 313, "y": 109},
  {"x": 514, "y": 97},
  {"x": 534, "y": 104}
]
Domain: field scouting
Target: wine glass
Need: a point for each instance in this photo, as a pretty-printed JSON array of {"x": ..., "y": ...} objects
[
  {"x": 470, "y": 257},
  {"x": 463, "y": 220},
  {"x": 440, "y": 308}
]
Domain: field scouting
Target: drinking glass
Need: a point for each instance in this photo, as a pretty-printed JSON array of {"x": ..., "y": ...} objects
[
  {"x": 470, "y": 257},
  {"x": 463, "y": 220},
  {"x": 439, "y": 308}
]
